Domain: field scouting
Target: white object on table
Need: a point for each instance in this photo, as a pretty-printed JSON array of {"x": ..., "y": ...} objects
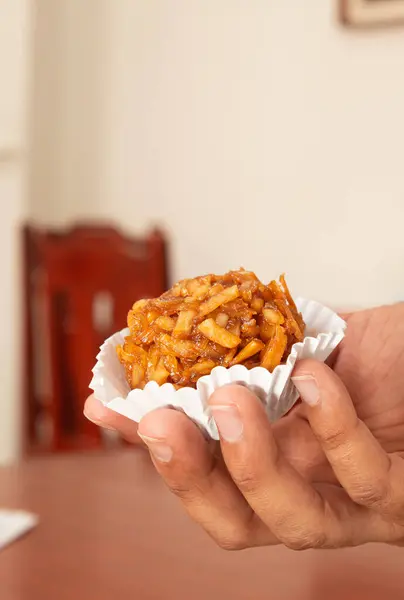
[{"x": 14, "y": 524}]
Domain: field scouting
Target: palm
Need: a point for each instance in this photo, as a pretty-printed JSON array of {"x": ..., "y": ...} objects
[{"x": 370, "y": 362}]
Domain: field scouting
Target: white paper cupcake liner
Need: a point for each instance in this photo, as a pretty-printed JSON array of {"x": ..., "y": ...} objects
[{"x": 324, "y": 331}]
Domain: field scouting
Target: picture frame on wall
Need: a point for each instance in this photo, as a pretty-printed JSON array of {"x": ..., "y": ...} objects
[{"x": 371, "y": 13}]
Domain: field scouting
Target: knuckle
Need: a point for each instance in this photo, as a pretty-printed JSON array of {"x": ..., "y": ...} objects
[
  {"x": 188, "y": 486},
  {"x": 246, "y": 481},
  {"x": 337, "y": 435},
  {"x": 233, "y": 542},
  {"x": 376, "y": 495},
  {"x": 181, "y": 491},
  {"x": 334, "y": 438},
  {"x": 305, "y": 541},
  {"x": 249, "y": 477}
]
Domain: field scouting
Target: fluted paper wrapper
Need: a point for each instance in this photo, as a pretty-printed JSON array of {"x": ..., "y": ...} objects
[{"x": 324, "y": 331}]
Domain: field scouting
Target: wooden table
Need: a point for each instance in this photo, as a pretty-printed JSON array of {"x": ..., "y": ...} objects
[{"x": 109, "y": 530}]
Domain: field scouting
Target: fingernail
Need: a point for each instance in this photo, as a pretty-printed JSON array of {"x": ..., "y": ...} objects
[
  {"x": 307, "y": 387},
  {"x": 160, "y": 450},
  {"x": 228, "y": 421},
  {"x": 99, "y": 423}
]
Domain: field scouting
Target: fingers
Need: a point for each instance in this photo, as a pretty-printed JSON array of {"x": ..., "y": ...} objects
[
  {"x": 300, "y": 447},
  {"x": 370, "y": 476},
  {"x": 186, "y": 462},
  {"x": 102, "y": 416},
  {"x": 284, "y": 501}
]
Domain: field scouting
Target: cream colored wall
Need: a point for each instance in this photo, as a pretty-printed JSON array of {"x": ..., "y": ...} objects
[
  {"x": 260, "y": 133},
  {"x": 14, "y": 57},
  {"x": 65, "y": 105},
  {"x": 12, "y": 210}
]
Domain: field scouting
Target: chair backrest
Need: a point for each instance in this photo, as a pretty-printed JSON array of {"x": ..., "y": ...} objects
[{"x": 79, "y": 286}]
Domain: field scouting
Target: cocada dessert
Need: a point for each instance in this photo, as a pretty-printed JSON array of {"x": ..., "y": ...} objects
[{"x": 209, "y": 321}]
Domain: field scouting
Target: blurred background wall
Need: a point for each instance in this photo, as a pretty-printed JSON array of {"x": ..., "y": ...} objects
[
  {"x": 257, "y": 133},
  {"x": 15, "y": 45},
  {"x": 260, "y": 133}
]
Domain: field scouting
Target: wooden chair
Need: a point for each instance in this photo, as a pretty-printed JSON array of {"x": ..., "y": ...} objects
[{"x": 79, "y": 286}]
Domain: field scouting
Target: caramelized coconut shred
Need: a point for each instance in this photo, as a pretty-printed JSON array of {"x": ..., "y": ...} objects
[{"x": 209, "y": 321}]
